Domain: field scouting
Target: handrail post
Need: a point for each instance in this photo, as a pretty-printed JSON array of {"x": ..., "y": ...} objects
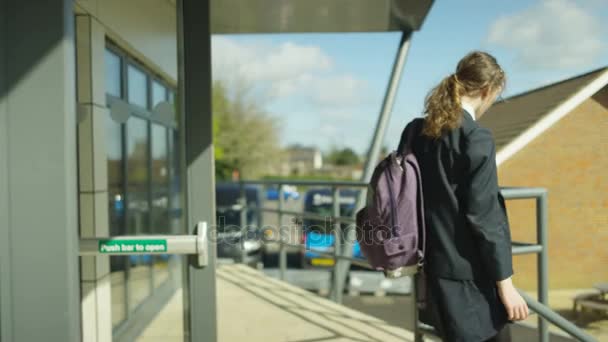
[
  {"x": 243, "y": 212},
  {"x": 418, "y": 333},
  {"x": 542, "y": 262},
  {"x": 336, "y": 290},
  {"x": 282, "y": 250}
]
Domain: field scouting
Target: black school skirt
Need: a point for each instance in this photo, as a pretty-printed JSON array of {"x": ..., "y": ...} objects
[{"x": 462, "y": 310}]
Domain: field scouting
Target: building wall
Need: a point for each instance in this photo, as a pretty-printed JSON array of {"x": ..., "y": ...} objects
[
  {"x": 146, "y": 29},
  {"x": 571, "y": 161}
]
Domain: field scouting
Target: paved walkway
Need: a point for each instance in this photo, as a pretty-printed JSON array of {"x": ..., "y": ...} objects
[{"x": 253, "y": 307}]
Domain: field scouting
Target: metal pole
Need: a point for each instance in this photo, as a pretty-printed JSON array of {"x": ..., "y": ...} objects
[
  {"x": 516, "y": 250},
  {"x": 418, "y": 334},
  {"x": 336, "y": 290},
  {"x": 243, "y": 220},
  {"x": 542, "y": 262},
  {"x": 374, "y": 150},
  {"x": 282, "y": 250},
  {"x": 387, "y": 106}
]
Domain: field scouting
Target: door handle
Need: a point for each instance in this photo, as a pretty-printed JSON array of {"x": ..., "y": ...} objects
[{"x": 196, "y": 245}]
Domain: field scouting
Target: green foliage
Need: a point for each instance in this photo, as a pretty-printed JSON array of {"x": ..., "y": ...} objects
[
  {"x": 245, "y": 136},
  {"x": 219, "y": 100},
  {"x": 343, "y": 156}
]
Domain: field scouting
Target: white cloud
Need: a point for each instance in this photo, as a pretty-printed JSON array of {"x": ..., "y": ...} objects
[
  {"x": 552, "y": 34},
  {"x": 284, "y": 70},
  {"x": 328, "y": 129},
  {"x": 263, "y": 62},
  {"x": 338, "y": 91}
]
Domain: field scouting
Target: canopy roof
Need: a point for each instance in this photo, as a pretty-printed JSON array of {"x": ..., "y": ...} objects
[{"x": 300, "y": 16}]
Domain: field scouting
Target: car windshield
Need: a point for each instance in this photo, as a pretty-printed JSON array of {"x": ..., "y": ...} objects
[
  {"x": 228, "y": 214},
  {"x": 322, "y": 204}
]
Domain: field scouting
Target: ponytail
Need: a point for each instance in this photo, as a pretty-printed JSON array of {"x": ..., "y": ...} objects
[
  {"x": 443, "y": 107},
  {"x": 475, "y": 72}
]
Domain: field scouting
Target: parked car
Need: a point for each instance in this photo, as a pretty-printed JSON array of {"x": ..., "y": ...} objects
[
  {"x": 317, "y": 235},
  {"x": 233, "y": 242},
  {"x": 289, "y": 192}
]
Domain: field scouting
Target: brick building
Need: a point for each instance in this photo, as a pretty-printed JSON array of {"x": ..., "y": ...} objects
[{"x": 556, "y": 137}]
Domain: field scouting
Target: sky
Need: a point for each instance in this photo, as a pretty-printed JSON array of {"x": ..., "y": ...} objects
[{"x": 326, "y": 90}]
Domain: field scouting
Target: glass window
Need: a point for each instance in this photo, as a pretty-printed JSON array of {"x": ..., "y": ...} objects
[
  {"x": 144, "y": 190},
  {"x": 171, "y": 97},
  {"x": 113, "y": 82},
  {"x": 138, "y": 217},
  {"x": 138, "y": 86},
  {"x": 176, "y": 188},
  {"x": 160, "y": 197},
  {"x": 116, "y": 208},
  {"x": 159, "y": 93}
]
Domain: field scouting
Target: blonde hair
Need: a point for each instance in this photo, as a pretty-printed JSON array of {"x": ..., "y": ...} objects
[{"x": 475, "y": 72}]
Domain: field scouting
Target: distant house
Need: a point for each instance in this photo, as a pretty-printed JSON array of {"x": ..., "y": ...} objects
[
  {"x": 303, "y": 160},
  {"x": 556, "y": 137}
]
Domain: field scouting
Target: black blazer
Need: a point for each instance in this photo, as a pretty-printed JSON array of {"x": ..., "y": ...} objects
[{"x": 468, "y": 234}]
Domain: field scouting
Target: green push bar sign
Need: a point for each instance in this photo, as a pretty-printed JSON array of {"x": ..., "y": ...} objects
[{"x": 132, "y": 246}]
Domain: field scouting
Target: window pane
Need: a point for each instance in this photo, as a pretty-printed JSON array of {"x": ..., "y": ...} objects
[
  {"x": 138, "y": 209},
  {"x": 159, "y": 93},
  {"x": 171, "y": 97},
  {"x": 176, "y": 185},
  {"x": 160, "y": 197},
  {"x": 116, "y": 217},
  {"x": 137, "y": 82},
  {"x": 113, "y": 84}
]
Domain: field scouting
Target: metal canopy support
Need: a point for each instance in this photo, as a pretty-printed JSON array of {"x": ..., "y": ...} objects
[
  {"x": 194, "y": 56},
  {"x": 39, "y": 282},
  {"x": 387, "y": 106},
  {"x": 343, "y": 265}
]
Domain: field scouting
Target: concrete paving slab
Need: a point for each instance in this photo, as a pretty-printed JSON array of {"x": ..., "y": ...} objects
[{"x": 253, "y": 307}]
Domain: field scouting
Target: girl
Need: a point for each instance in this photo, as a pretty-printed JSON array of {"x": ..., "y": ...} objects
[{"x": 468, "y": 269}]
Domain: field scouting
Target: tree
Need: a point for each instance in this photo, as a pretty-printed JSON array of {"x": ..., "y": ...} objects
[
  {"x": 220, "y": 104},
  {"x": 343, "y": 156},
  {"x": 245, "y": 136}
]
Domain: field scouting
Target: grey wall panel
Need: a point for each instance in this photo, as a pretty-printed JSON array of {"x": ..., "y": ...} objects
[
  {"x": 40, "y": 290},
  {"x": 5, "y": 299}
]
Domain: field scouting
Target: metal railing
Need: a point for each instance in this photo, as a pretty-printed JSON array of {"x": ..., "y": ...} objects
[{"x": 343, "y": 245}]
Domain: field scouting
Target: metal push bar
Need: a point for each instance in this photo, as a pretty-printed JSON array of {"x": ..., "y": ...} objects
[{"x": 150, "y": 244}]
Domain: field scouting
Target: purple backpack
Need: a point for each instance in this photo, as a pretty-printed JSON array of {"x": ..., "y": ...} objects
[{"x": 390, "y": 228}]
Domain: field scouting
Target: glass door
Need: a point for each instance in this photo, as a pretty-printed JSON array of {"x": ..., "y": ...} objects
[{"x": 144, "y": 199}]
